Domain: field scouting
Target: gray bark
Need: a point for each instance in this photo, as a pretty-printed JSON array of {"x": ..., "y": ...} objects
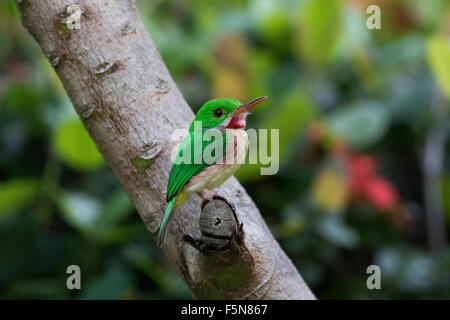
[{"x": 130, "y": 105}]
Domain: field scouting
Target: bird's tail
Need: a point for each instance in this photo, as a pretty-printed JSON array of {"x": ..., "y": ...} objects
[{"x": 165, "y": 223}]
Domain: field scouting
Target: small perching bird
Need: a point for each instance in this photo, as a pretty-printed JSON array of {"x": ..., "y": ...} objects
[{"x": 225, "y": 120}]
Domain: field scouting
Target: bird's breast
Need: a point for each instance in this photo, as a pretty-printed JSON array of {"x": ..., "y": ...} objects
[{"x": 215, "y": 175}]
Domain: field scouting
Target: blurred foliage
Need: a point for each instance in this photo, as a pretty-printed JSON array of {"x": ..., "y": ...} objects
[
  {"x": 438, "y": 49},
  {"x": 353, "y": 109},
  {"x": 74, "y": 146}
]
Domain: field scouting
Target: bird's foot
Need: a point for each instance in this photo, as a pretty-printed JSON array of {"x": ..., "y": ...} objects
[
  {"x": 239, "y": 234},
  {"x": 216, "y": 197},
  {"x": 198, "y": 244},
  {"x": 206, "y": 194}
]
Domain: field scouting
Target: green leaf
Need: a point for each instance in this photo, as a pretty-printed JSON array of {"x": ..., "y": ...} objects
[
  {"x": 319, "y": 31},
  {"x": 446, "y": 196},
  {"x": 353, "y": 38},
  {"x": 272, "y": 18},
  {"x": 438, "y": 57},
  {"x": 115, "y": 283},
  {"x": 16, "y": 193},
  {"x": 114, "y": 210},
  {"x": 167, "y": 282},
  {"x": 361, "y": 125},
  {"x": 333, "y": 229},
  {"x": 37, "y": 289},
  {"x": 290, "y": 118},
  {"x": 80, "y": 210},
  {"x": 74, "y": 146}
]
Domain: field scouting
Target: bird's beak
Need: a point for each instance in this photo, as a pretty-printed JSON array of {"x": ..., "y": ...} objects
[{"x": 246, "y": 107}]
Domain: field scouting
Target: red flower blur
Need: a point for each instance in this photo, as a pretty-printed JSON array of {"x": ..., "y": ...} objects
[
  {"x": 361, "y": 172},
  {"x": 365, "y": 183},
  {"x": 381, "y": 194}
]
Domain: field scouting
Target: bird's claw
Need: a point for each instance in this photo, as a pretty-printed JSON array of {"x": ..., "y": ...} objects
[
  {"x": 198, "y": 244},
  {"x": 216, "y": 197},
  {"x": 239, "y": 234}
]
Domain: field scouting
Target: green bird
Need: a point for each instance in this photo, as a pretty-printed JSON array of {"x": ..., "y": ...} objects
[{"x": 226, "y": 118}]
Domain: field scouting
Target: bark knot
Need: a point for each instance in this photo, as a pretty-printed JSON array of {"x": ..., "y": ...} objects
[
  {"x": 69, "y": 19},
  {"x": 105, "y": 68},
  {"x": 162, "y": 86},
  {"x": 147, "y": 155}
]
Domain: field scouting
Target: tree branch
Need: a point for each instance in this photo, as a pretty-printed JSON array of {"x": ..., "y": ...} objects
[{"x": 130, "y": 106}]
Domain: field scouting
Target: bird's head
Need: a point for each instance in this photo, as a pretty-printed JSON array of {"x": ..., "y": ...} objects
[{"x": 225, "y": 113}]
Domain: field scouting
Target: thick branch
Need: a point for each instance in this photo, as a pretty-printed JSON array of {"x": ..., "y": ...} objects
[{"x": 130, "y": 106}]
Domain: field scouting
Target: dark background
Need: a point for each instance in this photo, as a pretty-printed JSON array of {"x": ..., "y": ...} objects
[{"x": 358, "y": 110}]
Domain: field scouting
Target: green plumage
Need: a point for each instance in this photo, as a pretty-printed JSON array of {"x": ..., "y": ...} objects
[
  {"x": 182, "y": 172},
  {"x": 213, "y": 115}
]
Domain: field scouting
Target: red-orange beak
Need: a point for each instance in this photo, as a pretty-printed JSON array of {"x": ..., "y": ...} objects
[
  {"x": 238, "y": 116},
  {"x": 246, "y": 107}
]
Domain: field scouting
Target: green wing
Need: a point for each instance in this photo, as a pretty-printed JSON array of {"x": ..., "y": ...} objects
[{"x": 181, "y": 171}]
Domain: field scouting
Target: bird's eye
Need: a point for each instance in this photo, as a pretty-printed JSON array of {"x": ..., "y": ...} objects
[{"x": 217, "y": 113}]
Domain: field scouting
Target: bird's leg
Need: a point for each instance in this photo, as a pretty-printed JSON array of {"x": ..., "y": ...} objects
[
  {"x": 198, "y": 244},
  {"x": 206, "y": 194},
  {"x": 239, "y": 234}
]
